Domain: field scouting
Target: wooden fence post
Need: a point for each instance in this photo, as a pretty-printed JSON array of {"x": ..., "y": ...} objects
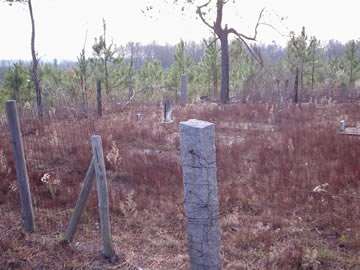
[
  {"x": 20, "y": 163},
  {"x": 81, "y": 202},
  {"x": 102, "y": 191},
  {"x": 197, "y": 143},
  {"x": 98, "y": 98}
]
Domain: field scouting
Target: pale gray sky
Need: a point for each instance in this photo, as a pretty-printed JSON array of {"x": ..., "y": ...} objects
[{"x": 61, "y": 24}]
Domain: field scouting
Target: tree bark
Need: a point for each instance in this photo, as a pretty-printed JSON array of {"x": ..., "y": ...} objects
[
  {"x": 215, "y": 72},
  {"x": 83, "y": 79},
  {"x": 313, "y": 71},
  {"x": 225, "y": 78},
  {"x": 84, "y": 95},
  {"x": 106, "y": 78},
  {"x": 301, "y": 75},
  {"x": 215, "y": 81},
  {"x": 351, "y": 79},
  {"x": 130, "y": 74},
  {"x": 296, "y": 85},
  {"x": 223, "y": 34},
  {"x": 35, "y": 63}
]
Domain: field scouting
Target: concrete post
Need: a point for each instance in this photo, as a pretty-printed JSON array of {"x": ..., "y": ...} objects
[{"x": 197, "y": 142}]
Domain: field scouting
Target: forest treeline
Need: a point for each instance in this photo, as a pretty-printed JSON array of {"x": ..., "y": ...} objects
[{"x": 305, "y": 69}]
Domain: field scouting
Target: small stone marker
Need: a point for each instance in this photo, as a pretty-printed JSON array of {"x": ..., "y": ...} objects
[
  {"x": 342, "y": 125},
  {"x": 167, "y": 111},
  {"x": 350, "y": 131},
  {"x": 198, "y": 155}
]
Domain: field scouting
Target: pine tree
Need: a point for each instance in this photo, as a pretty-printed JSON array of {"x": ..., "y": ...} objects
[
  {"x": 210, "y": 65},
  {"x": 352, "y": 62}
]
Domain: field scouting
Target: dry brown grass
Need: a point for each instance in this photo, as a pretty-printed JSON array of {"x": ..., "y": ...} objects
[{"x": 270, "y": 158}]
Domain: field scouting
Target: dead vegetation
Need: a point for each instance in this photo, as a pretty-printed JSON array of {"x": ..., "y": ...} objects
[{"x": 288, "y": 185}]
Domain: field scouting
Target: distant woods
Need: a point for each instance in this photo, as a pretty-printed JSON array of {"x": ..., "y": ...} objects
[{"x": 305, "y": 69}]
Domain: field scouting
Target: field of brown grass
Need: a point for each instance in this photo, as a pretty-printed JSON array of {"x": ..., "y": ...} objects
[{"x": 288, "y": 189}]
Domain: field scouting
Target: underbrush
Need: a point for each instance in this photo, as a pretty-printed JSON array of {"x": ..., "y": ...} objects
[{"x": 288, "y": 182}]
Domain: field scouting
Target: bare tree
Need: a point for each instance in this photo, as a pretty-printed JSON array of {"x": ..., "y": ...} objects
[
  {"x": 222, "y": 33},
  {"x": 105, "y": 54},
  {"x": 35, "y": 61},
  {"x": 83, "y": 68},
  {"x": 35, "y": 64},
  {"x": 130, "y": 75}
]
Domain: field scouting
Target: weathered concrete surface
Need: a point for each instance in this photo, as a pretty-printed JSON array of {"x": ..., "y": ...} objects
[{"x": 197, "y": 142}]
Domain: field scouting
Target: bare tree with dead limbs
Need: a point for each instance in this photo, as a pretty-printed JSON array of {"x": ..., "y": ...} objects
[
  {"x": 223, "y": 33},
  {"x": 35, "y": 60}
]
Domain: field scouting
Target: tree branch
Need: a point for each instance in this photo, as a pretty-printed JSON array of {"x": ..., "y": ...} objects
[
  {"x": 199, "y": 12},
  {"x": 10, "y": 2},
  {"x": 233, "y": 31},
  {"x": 219, "y": 13},
  {"x": 21, "y": 69},
  {"x": 274, "y": 28},
  {"x": 251, "y": 52},
  {"x": 211, "y": 43},
  {"x": 133, "y": 96}
]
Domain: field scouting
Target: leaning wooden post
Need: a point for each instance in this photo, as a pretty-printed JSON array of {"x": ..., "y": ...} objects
[
  {"x": 197, "y": 142},
  {"x": 183, "y": 98},
  {"x": 102, "y": 191},
  {"x": 20, "y": 163},
  {"x": 81, "y": 203},
  {"x": 98, "y": 98}
]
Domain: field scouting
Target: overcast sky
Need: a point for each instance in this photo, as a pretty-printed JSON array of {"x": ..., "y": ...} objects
[{"x": 61, "y": 24}]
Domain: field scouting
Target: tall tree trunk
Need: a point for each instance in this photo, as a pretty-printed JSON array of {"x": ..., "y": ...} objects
[
  {"x": 106, "y": 78},
  {"x": 302, "y": 77},
  {"x": 83, "y": 91},
  {"x": 296, "y": 85},
  {"x": 82, "y": 68},
  {"x": 215, "y": 80},
  {"x": 15, "y": 85},
  {"x": 130, "y": 74},
  {"x": 35, "y": 63},
  {"x": 225, "y": 80},
  {"x": 313, "y": 71},
  {"x": 215, "y": 71},
  {"x": 223, "y": 34},
  {"x": 351, "y": 79}
]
